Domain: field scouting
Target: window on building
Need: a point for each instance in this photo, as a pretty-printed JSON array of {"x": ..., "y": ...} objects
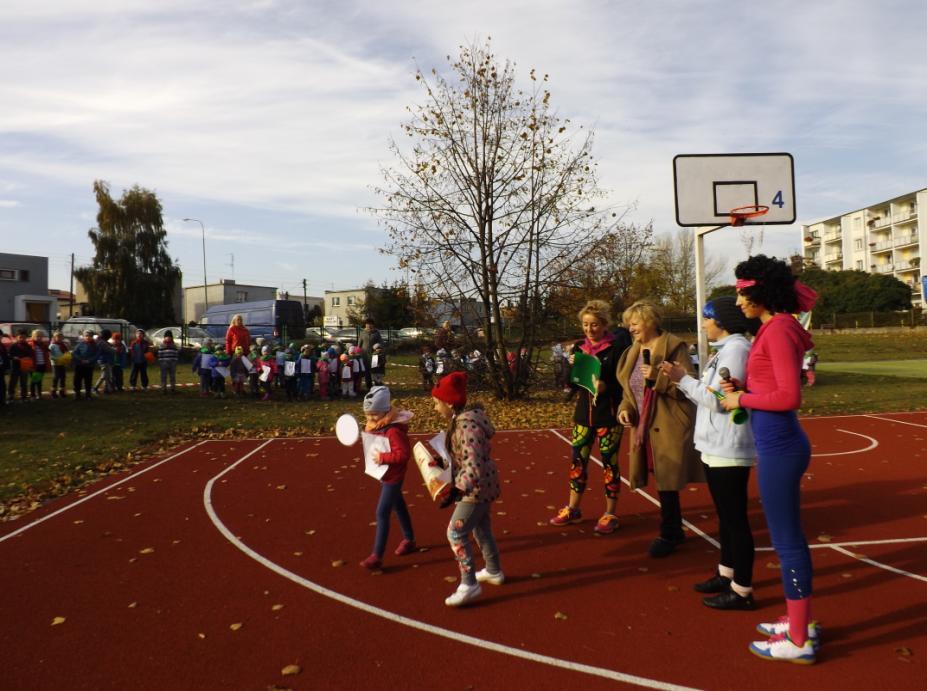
[
  {"x": 241, "y": 296},
  {"x": 858, "y": 244},
  {"x": 859, "y": 264},
  {"x": 350, "y": 300},
  {"x": 7, "y": 274},
  {"x": 336, "y": 302}
]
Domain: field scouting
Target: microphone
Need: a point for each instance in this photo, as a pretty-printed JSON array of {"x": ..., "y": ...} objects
[
  {"x": 646, "y": 355},
  {"x": 738, "y": 415}
]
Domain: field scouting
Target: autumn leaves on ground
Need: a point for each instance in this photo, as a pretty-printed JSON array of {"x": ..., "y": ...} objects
[{"x": 52, "y": 446}]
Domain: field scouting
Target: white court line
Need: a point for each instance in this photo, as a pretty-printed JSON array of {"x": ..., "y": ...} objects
[
  {"x": 854, "y": 543},
  {"x": 97, "y": 493},
  {"x": 880, "y": 565},
  {"x": 655, "y": 502},
  {"x": 455, "y": 636},
  {"x": 873, "y": 443},
  {"x": 900, "y": 422}
]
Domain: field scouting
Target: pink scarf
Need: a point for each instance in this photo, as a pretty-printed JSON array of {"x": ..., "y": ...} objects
[{"x": 590, "y": 348}]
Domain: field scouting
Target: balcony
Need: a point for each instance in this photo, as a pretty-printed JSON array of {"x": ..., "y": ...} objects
[
  {"x": 832, "y": 258},
  {"x": 908, "y": 217},
  {"x": 884, "y": 246},
  {"x": 882, "y": 221},
  {"x": 906, "y": 239},
  {"x": 813, "y": 240},
  {"x": 912, "y": 264},
  {"x": 884, "y": 268},
  {"x": 832, "y": 237}
]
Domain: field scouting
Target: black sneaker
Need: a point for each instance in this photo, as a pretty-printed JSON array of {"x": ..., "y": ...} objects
[
  {"x": 730, "y": 600},
  {"x": 715, "y": 584},
  {"x": 665, "y": 546}
]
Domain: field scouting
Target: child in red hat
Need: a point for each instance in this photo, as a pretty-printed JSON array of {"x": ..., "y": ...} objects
[{"x": 474, "y": 487}]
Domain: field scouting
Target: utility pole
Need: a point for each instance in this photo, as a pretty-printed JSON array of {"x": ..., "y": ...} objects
[
  {"x": 305, "y": 306},
  {"x": 71, "y": 290}
]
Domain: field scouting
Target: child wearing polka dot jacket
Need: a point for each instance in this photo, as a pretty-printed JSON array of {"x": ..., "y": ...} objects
[{"x": 474, "y": 487}]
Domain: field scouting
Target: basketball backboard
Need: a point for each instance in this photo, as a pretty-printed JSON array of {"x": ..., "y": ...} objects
[{"x": 708, "y": 186}]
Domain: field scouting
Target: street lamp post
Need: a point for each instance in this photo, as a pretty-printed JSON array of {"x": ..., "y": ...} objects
[{"x": 205, "y": 291}]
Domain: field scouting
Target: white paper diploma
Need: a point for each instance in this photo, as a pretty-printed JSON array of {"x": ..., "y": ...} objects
[
  {"x": 439, "y": 444},
  {"x": 374, "y": 361},
  {"x": 265, "y": 373},
  {"x": 289, "y": 369},
  {"x": 247, "y": 363},
  {"x": 305, "y": 366},
  {"x": 372, "y": 444},
  {"x": 223, "y": 372}
]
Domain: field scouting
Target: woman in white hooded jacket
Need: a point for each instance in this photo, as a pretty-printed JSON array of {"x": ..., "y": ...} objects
[{"x": 727, "y": 450}]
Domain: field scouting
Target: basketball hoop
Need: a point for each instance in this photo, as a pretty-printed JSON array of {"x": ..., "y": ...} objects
[{"x": 740, "y": 215}]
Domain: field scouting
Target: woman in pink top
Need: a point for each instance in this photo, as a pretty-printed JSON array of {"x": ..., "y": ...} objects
[{"x": 767, "y": 290}]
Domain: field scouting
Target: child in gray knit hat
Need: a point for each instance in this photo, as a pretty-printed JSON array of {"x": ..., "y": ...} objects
[{"x": 385, "y": 420}]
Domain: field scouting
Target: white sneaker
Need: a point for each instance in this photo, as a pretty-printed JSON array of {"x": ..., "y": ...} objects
[
  {"x": 486, "y": 576},
  {"x": 781, "y": 648},
  {"x": 463, "y": 595},
  {"x": 781, "y": 626}
]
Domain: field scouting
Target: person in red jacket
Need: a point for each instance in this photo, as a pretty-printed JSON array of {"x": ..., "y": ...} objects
[
  {"x": 237, "y": 335},
  {"x": 385, "y": 420}
]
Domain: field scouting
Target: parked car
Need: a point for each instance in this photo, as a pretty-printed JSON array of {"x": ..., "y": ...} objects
[
  {"x": 9, "y": 330},
  {"x": 74, "y": 328},
  {"x": 193, "y": 336},
  {"x": 414, "y": 332}
]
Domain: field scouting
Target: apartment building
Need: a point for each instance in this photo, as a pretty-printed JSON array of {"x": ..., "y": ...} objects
[{"x": 884, "y": 238}]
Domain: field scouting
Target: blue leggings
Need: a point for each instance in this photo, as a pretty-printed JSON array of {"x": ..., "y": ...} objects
[
  {"x": 391, "y": 499},
  {"x": 784, "y": 454}
]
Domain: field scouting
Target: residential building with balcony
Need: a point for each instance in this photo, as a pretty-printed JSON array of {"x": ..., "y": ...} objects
[{"x": 884, "y": 238}]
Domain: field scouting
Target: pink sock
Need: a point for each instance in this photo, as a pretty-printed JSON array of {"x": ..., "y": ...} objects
[{"x": 799, "y": 617}]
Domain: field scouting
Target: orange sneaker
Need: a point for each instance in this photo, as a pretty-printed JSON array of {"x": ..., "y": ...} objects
[
  {"x": 607, "y": 525},
  {"x": 566, "y": 515}
]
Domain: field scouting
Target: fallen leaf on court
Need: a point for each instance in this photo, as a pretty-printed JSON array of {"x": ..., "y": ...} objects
[
  {"x": 560, "y": 615},
  {"x": 175, "y": 542},
  {"x": 312, "y": 532},
  {"x": 535, "y": 575},
  {"x": 772, "y": 565},
  {"x": 113, "y": 496},
  {"x": 693, "y": 489},
  {"x": 237, "y": 625},
  {"x": 372, "y": 523},
  {"x": 281, "y": 486},
  {"x": 539, "y": 491},
  {"x": 423, "y": 549},
  {"x": 904, "y": 652},
  {"x": 450, "y": 579},
  {"x": 58, "y": 620},
  {"x": 133, "y": 605},
  {"x": 276, "y": 608},
  {"x": 672, "y": 588},
  {"x": 501, "y": 513},
  {"x": 147, "y": 550},
  {"x": 643, "y": 569},
  {"x": 550, "y": 507},
  {"x": 297, "y": 554},
  {"x": 823, "y": 537},
  {"x": 846, "y": 575},
  {"x": 338, "y": 562},
  {"x": 290, "y": 670}
]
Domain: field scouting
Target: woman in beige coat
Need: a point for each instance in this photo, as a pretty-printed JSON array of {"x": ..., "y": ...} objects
[{"x": 660, "y": 417}]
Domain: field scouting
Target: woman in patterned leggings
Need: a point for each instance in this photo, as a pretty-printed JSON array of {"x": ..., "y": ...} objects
[{"x": 596, "y": 420}]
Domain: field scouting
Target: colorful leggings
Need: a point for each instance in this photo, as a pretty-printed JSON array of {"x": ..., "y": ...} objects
[
  {"x": 609, "y": 441},
  {"x": 470, "y": 518}
]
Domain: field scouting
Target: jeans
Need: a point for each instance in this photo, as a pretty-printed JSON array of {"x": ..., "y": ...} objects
[
  {"x": 168, "y": 373},
  {"x": 468, "y": 518},
  {"x": 391, "y": 499}
]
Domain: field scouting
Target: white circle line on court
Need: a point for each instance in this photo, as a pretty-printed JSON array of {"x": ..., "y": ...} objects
[
  {"x": 873, "y": 443},
  {"x": 873, "y": 562},
  {"x": 95, "y": 494},
  {"x": 455, "y": 636}
]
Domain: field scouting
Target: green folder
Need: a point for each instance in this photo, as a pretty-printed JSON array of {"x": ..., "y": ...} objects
[{"x": 585, "y": 372}]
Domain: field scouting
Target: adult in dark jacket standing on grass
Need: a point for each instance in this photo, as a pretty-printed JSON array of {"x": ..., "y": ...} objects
[
  {"x": 596, "y": 419},
  {"x": 369, "y": 337}
]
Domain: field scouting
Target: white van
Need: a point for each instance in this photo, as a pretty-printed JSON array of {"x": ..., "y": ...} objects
[{"x": 74, "y": 328}]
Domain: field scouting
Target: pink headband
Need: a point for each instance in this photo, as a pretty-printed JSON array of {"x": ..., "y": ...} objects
[{"x": 807, "y": 297}]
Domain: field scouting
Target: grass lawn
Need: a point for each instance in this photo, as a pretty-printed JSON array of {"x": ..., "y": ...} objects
[{"x": 52, "y": 446}]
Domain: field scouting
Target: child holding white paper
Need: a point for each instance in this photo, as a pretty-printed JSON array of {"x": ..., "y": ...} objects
[
  {"x": 474, "y": 487},
  {"x": 347, "y": 377},
  {"x": 378, "y": 364},
  {"x": 385, "y": 420}
]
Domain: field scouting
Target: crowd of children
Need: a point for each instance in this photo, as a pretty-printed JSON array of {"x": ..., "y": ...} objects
[{"x": 268, "y": 369}]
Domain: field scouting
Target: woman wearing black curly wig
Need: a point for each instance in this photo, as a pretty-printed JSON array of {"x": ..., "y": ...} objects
[{"x": 767, "y": 290}]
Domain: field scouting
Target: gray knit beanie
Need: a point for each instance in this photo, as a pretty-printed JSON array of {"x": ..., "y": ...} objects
[{"x": 377, "y": 400}]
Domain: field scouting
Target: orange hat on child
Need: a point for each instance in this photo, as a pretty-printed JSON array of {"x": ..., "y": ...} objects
[{"x": 452, "y": 389}]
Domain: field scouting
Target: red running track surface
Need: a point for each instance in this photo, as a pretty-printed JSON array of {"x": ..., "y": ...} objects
[{"x": 150, "y": 574}]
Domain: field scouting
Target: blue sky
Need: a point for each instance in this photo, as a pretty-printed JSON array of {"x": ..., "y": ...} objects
[{"x": 269, "y": 120}]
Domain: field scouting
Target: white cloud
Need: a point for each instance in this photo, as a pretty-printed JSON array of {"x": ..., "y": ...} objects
[{"x": 8, "y": 203}]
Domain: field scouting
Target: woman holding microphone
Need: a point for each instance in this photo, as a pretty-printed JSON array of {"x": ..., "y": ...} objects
[{"x": 767, "y": 290}]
